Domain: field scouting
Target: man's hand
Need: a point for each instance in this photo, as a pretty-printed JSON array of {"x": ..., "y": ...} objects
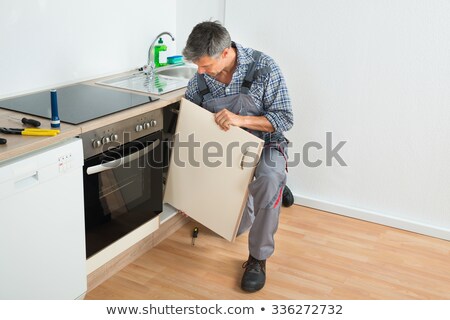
[{"x": 225, "y": 118}]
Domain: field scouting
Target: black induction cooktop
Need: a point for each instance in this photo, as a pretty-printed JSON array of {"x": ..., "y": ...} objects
[{"x": 76, "y": 103}]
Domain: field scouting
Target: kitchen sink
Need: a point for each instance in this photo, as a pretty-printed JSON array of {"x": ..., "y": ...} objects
[
  {"x": 164, "y": 79},
  {"x": 184, "y": 72}
]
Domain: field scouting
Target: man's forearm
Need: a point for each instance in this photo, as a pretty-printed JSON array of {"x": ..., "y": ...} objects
[
  {"x": 259, "y": 123},
  {"x": 225, "y": 118}
]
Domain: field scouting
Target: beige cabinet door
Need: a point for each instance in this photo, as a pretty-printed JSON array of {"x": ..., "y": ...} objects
[{"x": 210, "y": 170}]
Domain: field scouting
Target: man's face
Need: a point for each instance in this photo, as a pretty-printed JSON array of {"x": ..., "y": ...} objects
[{"x": 209, "y": 65}]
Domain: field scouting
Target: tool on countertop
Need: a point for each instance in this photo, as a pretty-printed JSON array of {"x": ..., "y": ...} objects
[
  {"x": 30, "y": 131},
  {"x": 194, "y": 235},
  {"x": 3, "y": 141},
  {"x": 55, "y": 122},
  {"x": 30, "y": 122}
]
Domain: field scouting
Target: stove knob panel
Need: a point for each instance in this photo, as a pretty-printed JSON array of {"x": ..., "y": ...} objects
[
  {"x": 139, "y": 128},
  {"x": 105, "y": 140},
  {"x": 146, "y": 125},
  {"x": 96, "y": 143},
  {"x": 114, "y": 137}
]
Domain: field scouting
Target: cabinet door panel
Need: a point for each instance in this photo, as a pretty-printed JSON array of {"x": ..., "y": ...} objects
[{"x": 210, "y": 170}]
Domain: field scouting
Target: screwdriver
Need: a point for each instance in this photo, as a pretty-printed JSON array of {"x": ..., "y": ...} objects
[
  {"x": 194, "y": 235},
  {"x": 31, "y": 122}
]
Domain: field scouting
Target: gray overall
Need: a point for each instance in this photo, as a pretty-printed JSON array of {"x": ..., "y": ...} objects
[{"x": 265, "y": 191}]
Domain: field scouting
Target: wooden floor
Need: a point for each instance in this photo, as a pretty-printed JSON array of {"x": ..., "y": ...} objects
[{"x": 318, "y": 255}]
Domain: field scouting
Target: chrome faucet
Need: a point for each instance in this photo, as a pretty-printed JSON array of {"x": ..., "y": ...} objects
[{"x": 151, "y": 51}]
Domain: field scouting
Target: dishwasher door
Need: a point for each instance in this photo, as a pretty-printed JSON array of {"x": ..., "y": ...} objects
[{"x": 42, "y": 246}]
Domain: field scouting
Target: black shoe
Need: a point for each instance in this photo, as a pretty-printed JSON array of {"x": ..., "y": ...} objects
[
  {"x": 288, "y": 198},
  {"x": 254, "y": 276}
]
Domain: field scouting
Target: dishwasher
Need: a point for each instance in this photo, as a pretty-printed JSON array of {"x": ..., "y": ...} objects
[{"x": 42, "y": 243}]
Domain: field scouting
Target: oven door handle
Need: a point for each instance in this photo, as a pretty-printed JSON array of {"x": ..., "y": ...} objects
[{"x": 124, "y": 160}]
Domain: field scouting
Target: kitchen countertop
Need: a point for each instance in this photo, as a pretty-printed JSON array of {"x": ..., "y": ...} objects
[{"x": 18, "y": 145}]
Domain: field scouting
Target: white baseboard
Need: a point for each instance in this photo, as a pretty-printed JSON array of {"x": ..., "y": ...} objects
[{"x": 376, "y": 217}]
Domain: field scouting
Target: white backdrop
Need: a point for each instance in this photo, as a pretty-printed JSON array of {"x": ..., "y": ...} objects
[
  {"x": 191, "y": 12},
  {"x": 45, "y": 43},
  {"x": 375, "y": 74}
]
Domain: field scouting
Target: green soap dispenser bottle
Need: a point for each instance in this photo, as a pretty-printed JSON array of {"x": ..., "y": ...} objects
[{"x": 158, "y": 48}]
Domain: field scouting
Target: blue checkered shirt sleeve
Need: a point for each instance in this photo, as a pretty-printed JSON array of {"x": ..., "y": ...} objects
[{"x": 276, "y": 102}]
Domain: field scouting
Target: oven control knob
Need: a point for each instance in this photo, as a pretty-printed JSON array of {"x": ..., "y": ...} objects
[
  {"x": 105, "y": 140},
  {"x": 114, "y": 137},
  {"x": 153, "y": 123},
  {"x": 146, "y": 125},
  {"x": 139, "y": 127},
  {"x": 96, "y": 143}
]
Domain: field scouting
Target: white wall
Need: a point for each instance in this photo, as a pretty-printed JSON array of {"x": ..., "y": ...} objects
[
  {"x": 191, "y": 12},
  {"x": 377, "y": 75},
  {"x": 47, "y": 43}
]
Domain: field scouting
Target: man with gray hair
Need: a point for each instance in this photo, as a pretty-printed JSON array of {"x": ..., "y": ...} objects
[{"x": 246, "y": 88}]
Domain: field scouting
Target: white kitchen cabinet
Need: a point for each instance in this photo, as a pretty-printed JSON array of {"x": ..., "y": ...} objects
[
  {"x": 42, "y": 245},
  {"x": 210, "y": 170}
]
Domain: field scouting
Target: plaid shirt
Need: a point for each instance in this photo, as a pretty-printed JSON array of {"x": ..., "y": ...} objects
[{"x": 269, "y": 91}]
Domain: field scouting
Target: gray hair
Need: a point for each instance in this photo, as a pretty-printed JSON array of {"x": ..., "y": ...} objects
[{"x": 208, "y": 38}]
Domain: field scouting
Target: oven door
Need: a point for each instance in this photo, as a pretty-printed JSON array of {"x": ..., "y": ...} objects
[{"x": 122, "y": 190}]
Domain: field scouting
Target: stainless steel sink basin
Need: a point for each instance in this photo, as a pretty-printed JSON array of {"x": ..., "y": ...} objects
[
  {"x": 184, "y": 72},
  {"x": 163, "y": 80}
]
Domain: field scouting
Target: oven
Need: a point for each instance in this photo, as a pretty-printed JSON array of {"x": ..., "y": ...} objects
[{"x": 123, "y": 178}]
